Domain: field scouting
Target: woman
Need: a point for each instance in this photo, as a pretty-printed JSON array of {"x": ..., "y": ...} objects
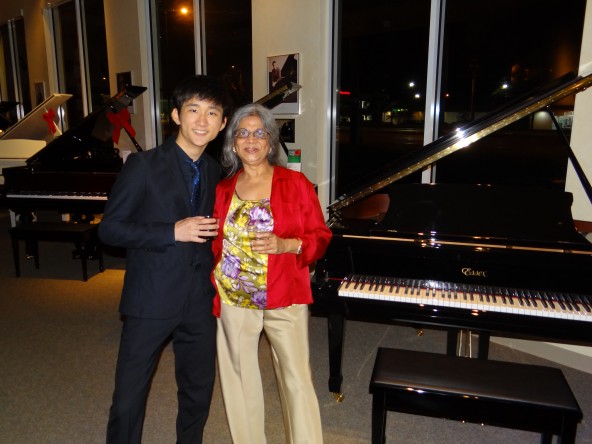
[{"x": 272, "y": 229}]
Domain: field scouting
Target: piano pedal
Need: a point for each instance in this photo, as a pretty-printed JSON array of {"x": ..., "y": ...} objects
[{"x": 339, "y": 397}]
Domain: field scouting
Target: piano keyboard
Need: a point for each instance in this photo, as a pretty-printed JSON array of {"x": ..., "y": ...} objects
[
  {"x": 478, "y": 298},
  {"x": 59, "y": 195}
]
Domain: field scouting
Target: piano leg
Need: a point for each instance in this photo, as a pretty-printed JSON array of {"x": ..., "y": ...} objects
[
  {"x": 335, "y": 324},
  {"x": 483, "y": 345},
  {"x": 452, "y": 342}
]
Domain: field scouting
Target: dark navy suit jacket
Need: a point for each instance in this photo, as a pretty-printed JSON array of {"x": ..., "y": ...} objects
[{"x": 148, "y": 197}]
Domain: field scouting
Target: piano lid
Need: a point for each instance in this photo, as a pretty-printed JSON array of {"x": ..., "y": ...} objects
[
  {"x": 5, "y": 121},
  {"x": 88, "y": 144},
  {"x": 33, "y": 126},
  {"x": 462, "y": 137}
]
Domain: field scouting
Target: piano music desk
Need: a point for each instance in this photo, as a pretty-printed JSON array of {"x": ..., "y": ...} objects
[
  {"x": 84, "y": 236},
  {"x": 504, "y": 394}
]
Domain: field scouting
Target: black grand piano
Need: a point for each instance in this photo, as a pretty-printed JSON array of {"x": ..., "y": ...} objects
[
  {"x": 493, "y": 260},
  {"x": 75, "y": 172}
]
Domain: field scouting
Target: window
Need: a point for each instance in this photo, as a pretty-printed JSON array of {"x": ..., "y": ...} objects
[
  {"x": 14, "y": 77},
  {"x": 216, "y": 42},
  {"x": 485, "y": 54},
  {"x": 81, "y": 56}
]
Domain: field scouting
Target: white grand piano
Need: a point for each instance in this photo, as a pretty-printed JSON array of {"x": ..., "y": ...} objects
[{"x": 30, "y": 134}]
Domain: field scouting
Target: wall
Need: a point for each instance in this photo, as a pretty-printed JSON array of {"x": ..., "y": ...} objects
[
  {"x": 299, "y": 26},
  {"x": 127, "y": 49}
]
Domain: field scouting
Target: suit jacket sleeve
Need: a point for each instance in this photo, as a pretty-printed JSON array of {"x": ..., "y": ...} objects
[{"x": 125, "y": 222}]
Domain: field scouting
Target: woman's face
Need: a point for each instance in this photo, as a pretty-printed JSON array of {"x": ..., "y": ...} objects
[{"x": 251, "y": 150}]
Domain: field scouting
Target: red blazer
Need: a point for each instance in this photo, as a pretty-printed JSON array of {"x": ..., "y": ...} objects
[{"x": 296, "y": 214}]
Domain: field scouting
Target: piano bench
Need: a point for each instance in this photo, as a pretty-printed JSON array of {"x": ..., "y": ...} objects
[
  {"x": 504, "y": 394},
  {"x": 84, "y": 236}
]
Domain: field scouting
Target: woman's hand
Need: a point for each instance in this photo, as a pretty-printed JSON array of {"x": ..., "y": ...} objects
[{"x": 269, "y": 243}]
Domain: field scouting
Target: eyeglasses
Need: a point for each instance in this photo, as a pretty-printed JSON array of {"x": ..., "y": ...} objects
[{"x": 258, "y": 134}]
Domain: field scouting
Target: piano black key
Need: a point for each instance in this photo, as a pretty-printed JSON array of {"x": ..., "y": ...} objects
[
  {"x": 356, "y": 281},
  {"x": 532, "y": 300},
  {"x": 584, "y": 301},
  {"x": 560, "y": 301},
  {"x": 550, "y": 300}
]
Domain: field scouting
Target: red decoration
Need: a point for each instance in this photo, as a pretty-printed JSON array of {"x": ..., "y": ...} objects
[
  {"x": 48, "y": 117},
  {"x": 120, "y": 120}
]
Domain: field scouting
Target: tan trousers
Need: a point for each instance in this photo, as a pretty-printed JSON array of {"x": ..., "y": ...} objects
[{"x": 238, "y": 335}]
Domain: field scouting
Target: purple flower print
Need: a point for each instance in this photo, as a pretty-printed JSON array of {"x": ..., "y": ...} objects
[
  {"x": 259, "y": 298},
  {"x": 231, "y": 266},
  {"x": 260, "y": 218}
]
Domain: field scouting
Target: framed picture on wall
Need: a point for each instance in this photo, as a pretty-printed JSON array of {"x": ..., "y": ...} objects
[
  {"x": 124, "y": 79},
  {"x": 40, "y": 92},
  {"x": 282, "y": 69}
]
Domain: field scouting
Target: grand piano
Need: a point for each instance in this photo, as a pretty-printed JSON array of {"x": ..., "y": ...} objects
[
  {"x": 491, "y": 260},
  {"x": 23, "y": 139},
  {"x": 74, "y": 173}
]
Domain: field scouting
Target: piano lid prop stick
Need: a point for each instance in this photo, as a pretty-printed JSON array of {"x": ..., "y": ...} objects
[{"x": 122, "y": 119}]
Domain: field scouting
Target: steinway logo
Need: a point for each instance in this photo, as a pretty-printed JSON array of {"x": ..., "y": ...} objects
[{"x": 471, "y": 272}]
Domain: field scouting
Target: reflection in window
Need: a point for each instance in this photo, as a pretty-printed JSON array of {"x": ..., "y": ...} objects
[
  {"x": 15, "y": 92},
  {"x": 495, "y": 53},
  {"x": 382, "y": 83},
  {"x": 89, "y": 86},
  {"x": 7, "y": 89},
  {"x": 229, "y": 46},
  {"x": 95, "y": 48},
  {"x": 492, "y": 53},
  {"x": 225, "y": 48},
  {"x": 174, "y": 60}
]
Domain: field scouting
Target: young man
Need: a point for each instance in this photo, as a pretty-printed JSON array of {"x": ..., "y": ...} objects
[{"x": 158, "y": 210}]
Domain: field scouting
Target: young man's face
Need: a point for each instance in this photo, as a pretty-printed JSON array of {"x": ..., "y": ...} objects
[{"x": 199, "y": 122}]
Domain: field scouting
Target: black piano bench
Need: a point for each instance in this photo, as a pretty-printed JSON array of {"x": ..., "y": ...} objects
[
  {"x": 84, "y": 236},
  {"x": 504, "y": 394}
]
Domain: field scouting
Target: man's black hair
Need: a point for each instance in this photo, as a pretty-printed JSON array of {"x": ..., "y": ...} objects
[{"x": 202, "y": 87}]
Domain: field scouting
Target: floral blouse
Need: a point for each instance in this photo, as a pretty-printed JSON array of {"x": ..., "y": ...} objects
[{"x": 241, "y": 275}]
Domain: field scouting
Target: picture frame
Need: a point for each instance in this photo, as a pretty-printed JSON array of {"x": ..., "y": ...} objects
[
  {"x": 281, "y": 69},
  {"x": 287, "y": 130},
  {"x": 124, "y": 79},
  {"x": 40, "y": 92}
]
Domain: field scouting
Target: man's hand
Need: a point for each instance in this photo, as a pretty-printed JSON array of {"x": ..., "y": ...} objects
[{"x": 198, "y": 229}]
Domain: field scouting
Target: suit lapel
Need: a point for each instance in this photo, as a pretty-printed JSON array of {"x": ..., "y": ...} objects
[{"x": 174, "y": 183}]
